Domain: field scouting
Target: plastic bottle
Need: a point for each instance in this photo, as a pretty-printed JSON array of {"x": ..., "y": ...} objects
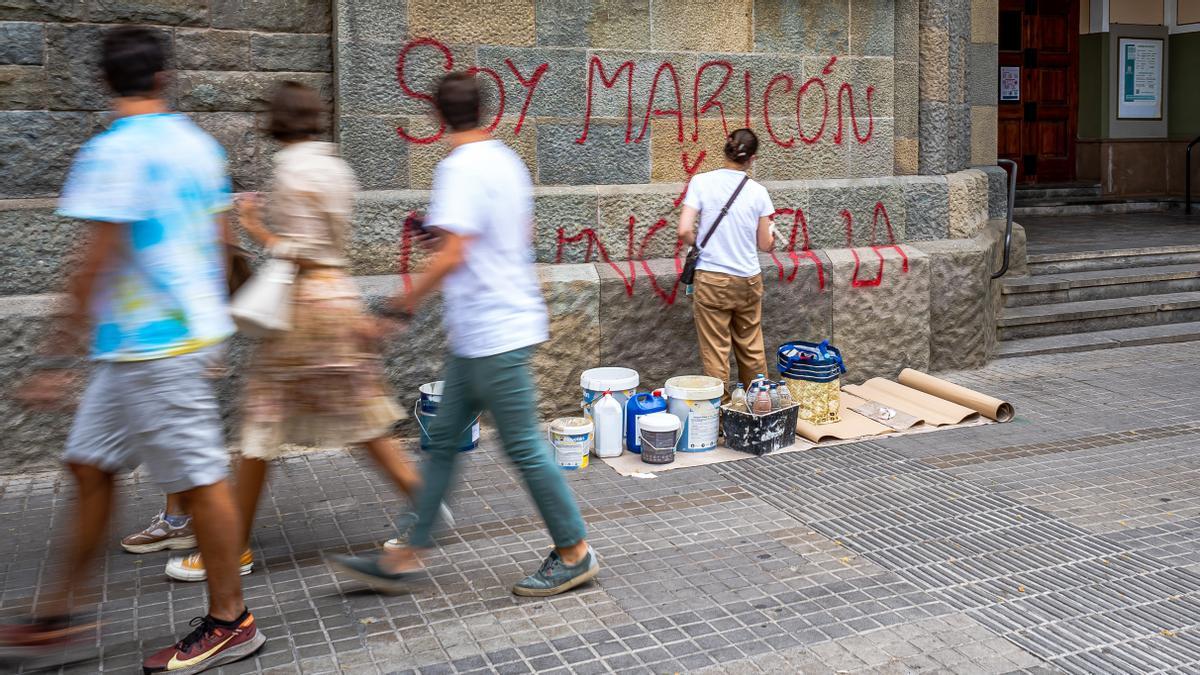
[
  {"x": 762, "y": 401},
  {"x": 785, "y": 396},
  {"x": 608, "y": 416},
  {"x": 773, "y": 389},
  {"x": 737, "y": 400}
]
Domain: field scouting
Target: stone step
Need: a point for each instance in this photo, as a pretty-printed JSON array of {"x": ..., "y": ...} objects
[
  {"x": 1027, "y": 194},
  {"x": 1041, "y": 264},
  {"x": 1103, "y": 339},
  {"x": 1094, "y": 315},
  {"x": 1100, "y": 284},
  {"x": 1088, "y": 207}
]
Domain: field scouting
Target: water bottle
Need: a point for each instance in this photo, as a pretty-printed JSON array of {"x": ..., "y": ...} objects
[
  {"x": 737, "y": 400},
  {"x": 762, "y": 401},
  {"x": 785, "y": 395},
  {"x": 773, "y": 389}
]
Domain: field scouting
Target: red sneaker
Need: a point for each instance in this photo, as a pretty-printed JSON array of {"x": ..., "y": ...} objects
[
  {"x": 209, "y": 646},
  {"x": 41, "y": 644}
]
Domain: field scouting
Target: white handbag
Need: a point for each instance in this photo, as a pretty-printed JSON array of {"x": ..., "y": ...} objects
[{"x": 263, "y": 306}]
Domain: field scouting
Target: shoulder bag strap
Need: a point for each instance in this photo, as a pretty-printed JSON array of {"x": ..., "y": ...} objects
[{"x": 724, "y": 210}]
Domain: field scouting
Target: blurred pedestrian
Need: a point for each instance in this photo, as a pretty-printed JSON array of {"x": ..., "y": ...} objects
[
  {"x": 320, "y": 384},
  {"x": 728, "y": 285},
  {"x": 482, "y": 216},
  {"x": 152, "y": 283}
]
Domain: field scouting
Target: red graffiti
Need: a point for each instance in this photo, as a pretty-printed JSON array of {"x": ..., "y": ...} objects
[
  {"x": 690, "y": 171},
  {"x": 809, "y": 140},
  {"x": 712, "y": 101},
  {"x": 799, "y": 227},
  {"x": 847, "y": 88},
  {"x": 677, "y": 111},
  {"x": 629, "y": 278},
  {"x": 530, "y": 87},
  {"x": 595, "y": 65},
  {"x": 448, "y": 65},
  {"x": 855, "y": 281},
  {"x": 473, "y": 70},
  {"x": 787, "y": 79}
]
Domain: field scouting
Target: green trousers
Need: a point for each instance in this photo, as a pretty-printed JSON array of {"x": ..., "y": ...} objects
[{"x": 503, "y": 386}]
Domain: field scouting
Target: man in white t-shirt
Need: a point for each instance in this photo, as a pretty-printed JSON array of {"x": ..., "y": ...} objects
[{"x": 481, "y": 216}]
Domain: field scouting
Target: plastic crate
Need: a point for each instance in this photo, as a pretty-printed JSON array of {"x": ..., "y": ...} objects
[{"x": 759, "y": 434}]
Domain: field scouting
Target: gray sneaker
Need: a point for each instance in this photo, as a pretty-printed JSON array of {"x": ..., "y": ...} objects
[{"x": 556, "y": 577}]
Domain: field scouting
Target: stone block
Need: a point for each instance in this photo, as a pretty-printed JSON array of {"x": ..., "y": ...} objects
[
  {"x": 285, "y": 16},
  {"x": 43, "y": 10},
  {"x": 375, "y": 242},
  {"x": 248, "y": 149},
  {"x": 874, "y": 157},
  {"x": 956, "y": 82},
  {"x": 561, "y": 90},
  {"x": 927, "y": 207},
  {"x": 960, "y": 137},
  {"x": 797, "y": 300},
  {"x": 205, "y": 49},
  {"x": 983, "y": 74},
  {"x": 599, "y": 24},
  {"x": 691, "y": 25},
  {"x": 374, "y": 150},
  {"x": 935, "y": 138},
  {"x": 367, "y": 79},
  {"x": 907, "y": 40},
  {"x": 880, "y": 311},
  {"x": 935, "y": 64},
  {"x": 615, "y": 102},
  {"x": 968, "y": 202},
  {"x": 907, "y": 156},
  {"x": 21, "y": 43},
  {"x": 811, "y": 27},
  {"x": 983, "y": 134},
  {"x": 495, "y": 22},
  {"x": 646, "y": 321},
  {"x": 571, "y": 211},
  {"x": 423, "y": 157},
  {"x": 668, "y": 155},
  {"x": 985, "y": 19},
  {"x": 628, "y": 220},
  {"x": 861, "y": 73},
  {"x": 160, "y": 12},
  {"x": 997, "y": 190},
  {"x": 906, "y": 102},
  {"x": 216, "y": 91},
  {"x": 872, "y": 27},
  {"x": 605, "y": 158},
  {"x": 962, "y": 322},
  {"x": 23, "y": 87},
  {"x": 385, "y": 21},
  {"x": 572, "y": 294},
  {"x": 37, "y": 248},
  {"x": 295, "y": 52},
  {"x": 827, "y": 199},
  {"x": 36, "y": 149}
]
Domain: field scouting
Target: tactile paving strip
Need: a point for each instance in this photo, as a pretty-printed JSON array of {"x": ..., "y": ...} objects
[{"x": 1081, "y": 601}]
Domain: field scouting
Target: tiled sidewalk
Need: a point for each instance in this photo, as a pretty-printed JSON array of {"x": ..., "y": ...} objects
[{"x": 1066, "y": 540}]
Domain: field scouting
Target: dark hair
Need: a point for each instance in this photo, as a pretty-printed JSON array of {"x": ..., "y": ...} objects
[
  {"x": 296, "y": 113},
  {"x": 741, "y": 146},
  {"x": 457, "y": 101},
  {"x": 131, "y": 57}
]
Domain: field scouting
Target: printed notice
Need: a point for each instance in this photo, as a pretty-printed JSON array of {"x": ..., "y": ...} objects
[
  {"x": 1140, "y": 95},
  {"x": 1010, "y": 83}
]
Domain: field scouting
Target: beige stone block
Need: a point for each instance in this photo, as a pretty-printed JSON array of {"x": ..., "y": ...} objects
[
  {"x": 985, "y": 20},
  {"x": 983, "y": 134},
  {"x": 907, "y": 154},
  {"x": 422, "y": 158},
  {"x": 935, "y": 64},
  {"x": 667, "y": 152},
  {"x": 617, "y": 24},
  {"x": 968, "y": 202},
  {"x": 572, "y": 294},
  {"x": 702, "y": 25},
  {"x": 494, "y": 22}
]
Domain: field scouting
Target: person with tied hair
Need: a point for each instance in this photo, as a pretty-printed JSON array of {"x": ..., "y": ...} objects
[
  {"x": 728, "y": 286},
  {"x": 321, "y": 383}
]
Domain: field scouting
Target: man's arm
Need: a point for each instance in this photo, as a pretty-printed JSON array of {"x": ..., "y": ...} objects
[{"x": 451, "y": 254}]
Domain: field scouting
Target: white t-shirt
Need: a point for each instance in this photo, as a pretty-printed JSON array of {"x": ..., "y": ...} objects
[
  {"x": 493, "y": 302},
  {"x": 733, "y": 248}
]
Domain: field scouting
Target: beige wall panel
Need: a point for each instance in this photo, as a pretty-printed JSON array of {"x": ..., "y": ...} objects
[{"x": 1141, "y": 12}]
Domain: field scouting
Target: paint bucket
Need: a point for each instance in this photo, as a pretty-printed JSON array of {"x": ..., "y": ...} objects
[
  {"x": 658, "y": 433},
  {"x": 427, "y": 409},
  {"x": 622, "y": 382},
  {"x": 696, "y": 401},
  {"x": 571, "y": 438}
]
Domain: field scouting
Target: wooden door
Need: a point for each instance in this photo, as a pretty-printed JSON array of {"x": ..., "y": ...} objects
[{"x": 1041, "y": 37}]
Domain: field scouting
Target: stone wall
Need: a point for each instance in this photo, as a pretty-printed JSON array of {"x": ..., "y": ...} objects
[{"x": 228, "y": 54}]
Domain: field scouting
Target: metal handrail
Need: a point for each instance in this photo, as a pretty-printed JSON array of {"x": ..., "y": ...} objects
[
  {"x": 1012, "y": 196},
  {"x": 1187, "y": 177}
]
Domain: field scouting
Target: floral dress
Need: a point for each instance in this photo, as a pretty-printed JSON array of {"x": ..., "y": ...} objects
[{"x": 319, "y": 384}]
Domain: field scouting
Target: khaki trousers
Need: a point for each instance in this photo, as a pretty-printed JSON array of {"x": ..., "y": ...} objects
[{"x": 728, "y": 311}]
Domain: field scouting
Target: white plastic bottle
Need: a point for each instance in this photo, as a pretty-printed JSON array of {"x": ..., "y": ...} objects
[{"x": 608, "y": 416}]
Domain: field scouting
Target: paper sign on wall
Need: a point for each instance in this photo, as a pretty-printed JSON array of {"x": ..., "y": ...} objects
[
  {"x": 1010, "y": 83},
  {"x": 1140, "y": 88}
]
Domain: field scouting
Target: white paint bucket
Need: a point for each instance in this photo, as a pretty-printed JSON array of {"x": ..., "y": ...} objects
[
  {"x": 571, "y": 438},
  {"x": 622, "y": 382},
  {"x": 696, "y": 401},
  {"x": 427, "y": 409},
  {"x": 658, "y": 433}
]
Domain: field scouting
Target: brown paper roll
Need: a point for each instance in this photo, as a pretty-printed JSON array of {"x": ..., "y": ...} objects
[
  {"x": 927, "y": 408},
  {"x": 991, "y": 408}
]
